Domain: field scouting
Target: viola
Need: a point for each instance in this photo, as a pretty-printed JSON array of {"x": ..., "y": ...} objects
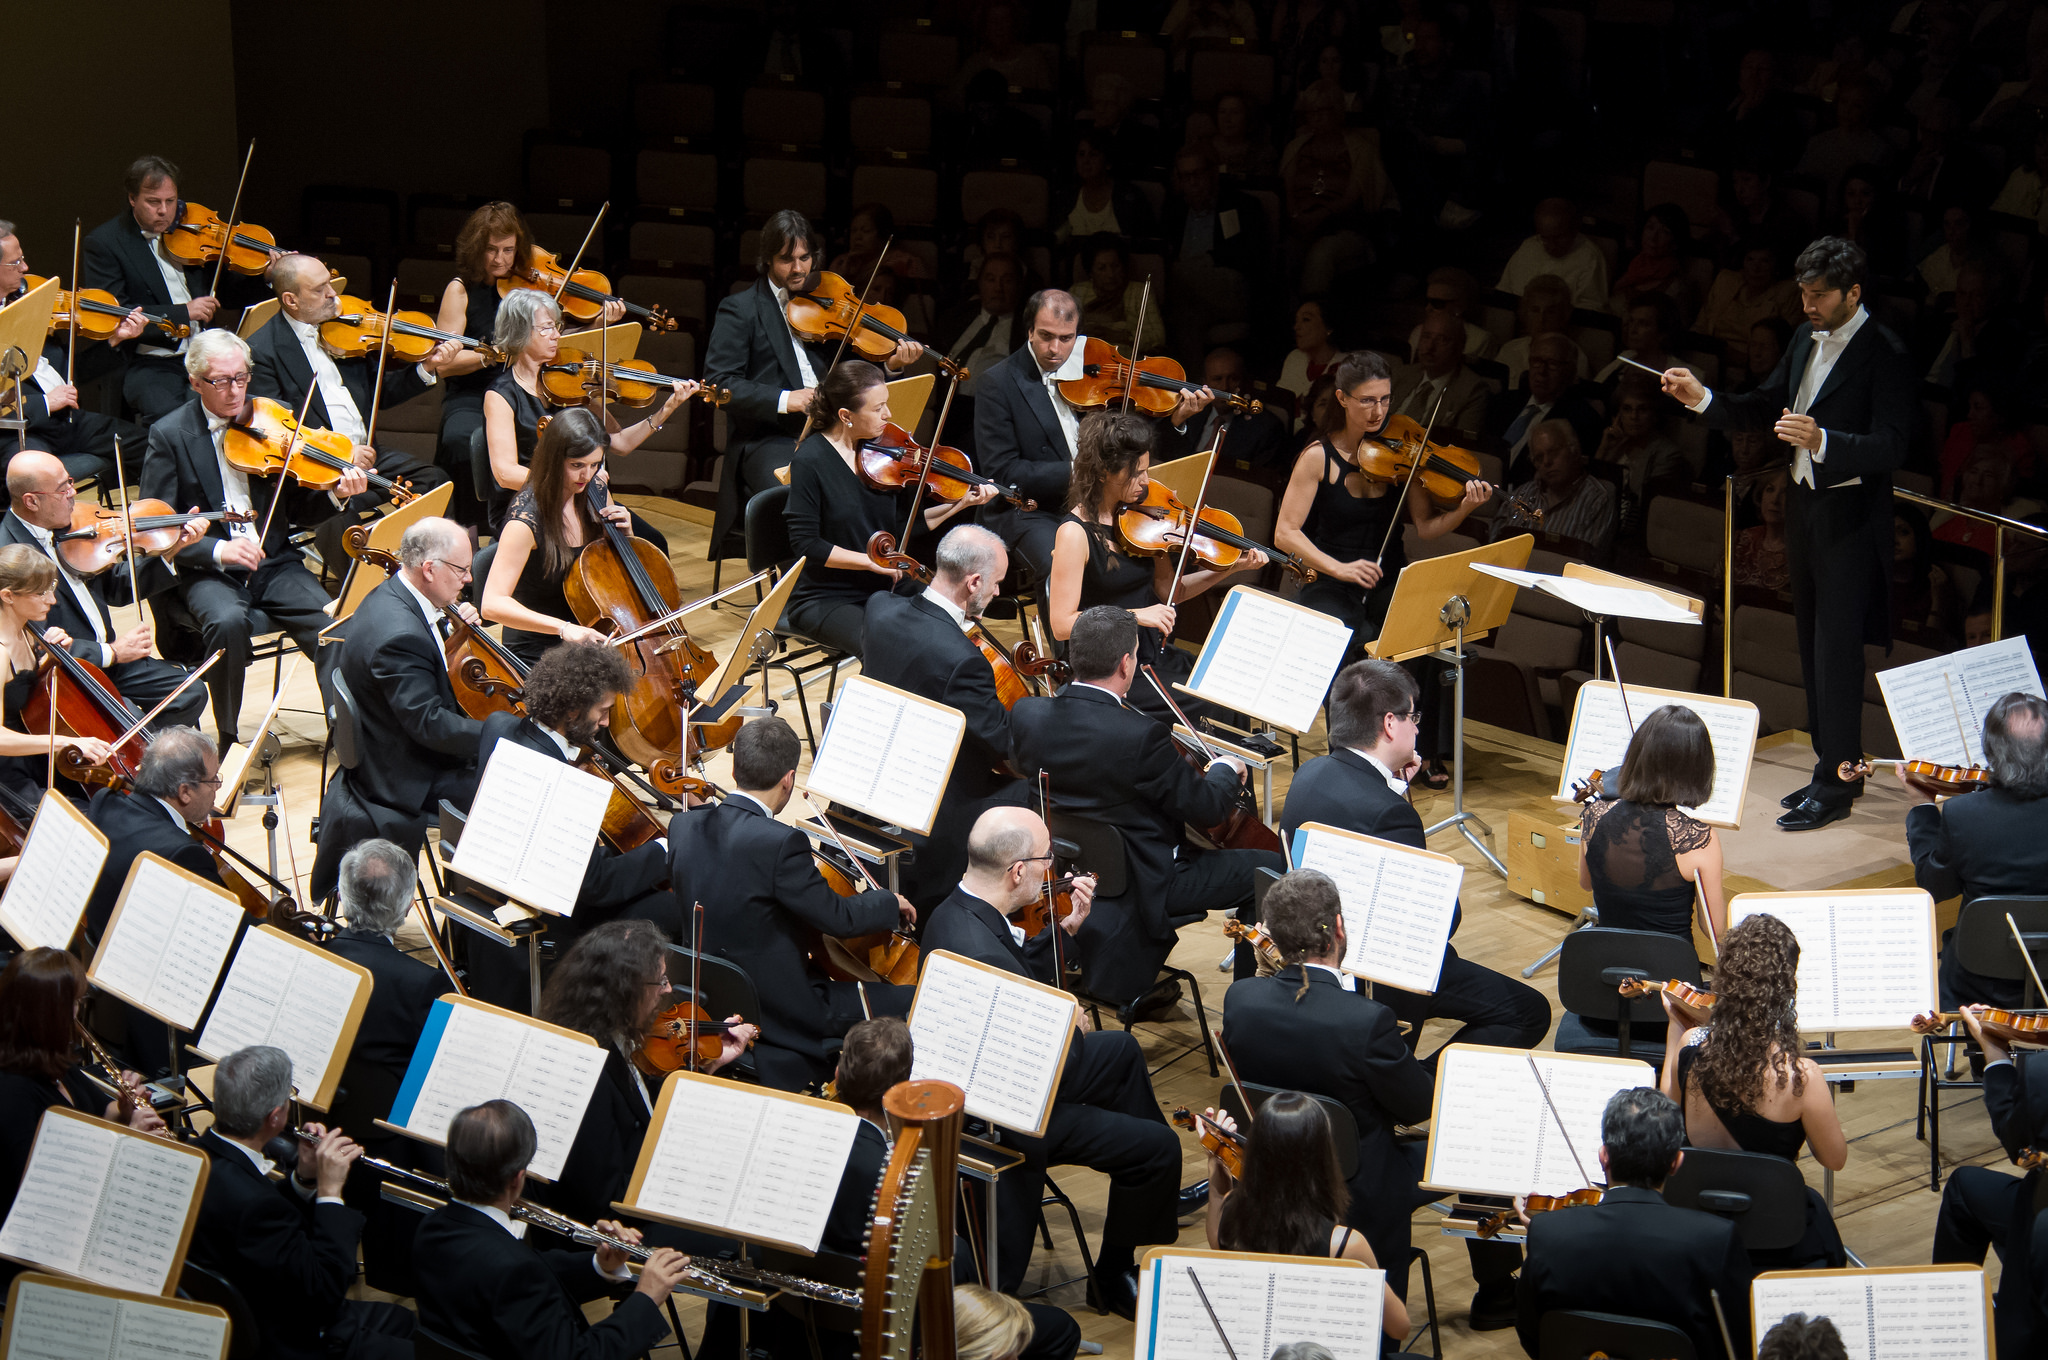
[
  {"x": 1684, "y": 993},
  {"x": 1258, "y": 937},
  {"x": 100, "y": 313},
  {"x": 258, "y": 902},
  {"x": 682, "y": 1036},
  {"x": 83, "y": 702},
  {"x": 831, "y": 306},
  {"x": 2001, "y": 1024},
  {"x": 99, "y": 534},
  {"x": 362, "y": 330},
  {"x": 1946, "y": 780},
  {"x": 890, "y": 955},
  {"x": 200, "y": 235},
  {"x": 1392, "y": 454},
  {"x": 895, "y": 460},
  {"x": 1225, "y": 1146},
  {"x": 1156, "y": 387},
  {"x": 1158, "y": 525},
  {"x": 1539, "y": 1204},
  {"x": 268, "y": 438},
  {"x": 574, "y": 377},
  {"x": 1240, "y": 828},
  {"x": 1010, "y": 686},
  {"x": 582, "y": 295},
  {"x": 2031, "y": 1159}
]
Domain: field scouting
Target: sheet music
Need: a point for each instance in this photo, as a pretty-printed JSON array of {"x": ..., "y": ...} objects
[
  {"x": 101, "y": 1205},
  {"x": 59, "y": 866},
  {"x": 1601, "y": 731},
  {"x": 999, "y": 1039},
  {"x": 1492, "y": 1133},
  {"x": 57, "y": 1322},
  {"x": 164, "y": 948},
  {"x": 778, "y": 1185},
  {"x": 531, "y": 828},
  {"x": 1918, "y": 697},
  {"x": 470, "y": 1054},
  {"x": 1866, "y": 961},
  {"x": 1595, "y": 597},
  {"x": 1270, "y": 659},
  {"x": 887, "y": 753},
  {"x": 1397, "y": 904},
  {"x": 1884, "y": 1314},
  {"x": 1261, "y": 1305},
  {"x": 287, "y": 997}
]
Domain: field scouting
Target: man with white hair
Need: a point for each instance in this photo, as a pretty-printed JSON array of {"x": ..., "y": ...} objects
[{"x": 242, "y": 572}]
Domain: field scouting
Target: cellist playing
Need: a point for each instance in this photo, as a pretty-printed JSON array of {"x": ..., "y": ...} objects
[{"x": 28, "y": 587}]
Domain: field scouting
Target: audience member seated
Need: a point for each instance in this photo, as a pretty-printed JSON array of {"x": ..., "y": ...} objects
[
  {"x": 1110, "y": 301},
  {"x": 1760, "y": 123},
  {"x": 1645, "y": 861},
  {"x": 1103, "y": 201},
  {"x": 1852, "y": 59},
  {"x": 1944, "y": 168},
  {"x": 1130, "y": 142},
  {"x": 1992, "y": 425},
  {"x": 1983, "y": 338},
  {"x": 1192, "y": 20},
  {"x": 2026, "y": 189},
  {"x": 1218, "y": 255},
  {"x": 1633, "y": 1254},
  {"x": 1523, "y": 56},
  {"x": 1451, "y": 289},
  {"x": 1760, "y": 549},
  {"x": 1865, "y": 214},
  {"x": 1313, "y": 355},
  {"x": 1938, "y": 268},
  {"x": 1437, "y": 121},
  {"x": 1924, "y": 600},
  {"x": 1650, "y": 325},
  {"x": 1335, "y": 75},
  {"x": 1767, "y": 341},
  {"x": 1335, "y": 185},
  {"x": 1558, "y": 248},
  {"x": 1851, "y": 141},
  {"x": 1659, "y": 264},
  {"x": 1545, "y": 310},
  {"x": 1638, "y": 441},
  {"x": 1744, "y": 296},
  {"x": 999, "y": 232},
  {"x": 1985, "y": 483},
  {"x": 1748, "y": 454},
  {"x": 1752, "y": 206},
  {"x": 1238, "y": 153},
  {"x": 1441, "y": 375},
  {"x": 1513, "y": 415},
  {"x": 1255, "y": 441},
  {"x": 870, "y": 226},
  {"x": 1020, "y": 64},
  {"x": 981, "y": 334}
]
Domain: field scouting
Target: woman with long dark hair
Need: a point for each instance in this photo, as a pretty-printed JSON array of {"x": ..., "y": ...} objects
[
  {"x": 1745, "y": 1083},
  {"x": 1641, "y": 854},
  {"x": 1292, "y": 1198}
]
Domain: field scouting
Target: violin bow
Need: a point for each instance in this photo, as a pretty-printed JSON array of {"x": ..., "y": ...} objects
[
  {"x": 291, "y": 444},
  {"x": 128, "y": 523},
  {"x": 924, "y": 470},
  {"x": 1208, "y": 751},
  {"x": 1217, "y": 1322},
  {"x": 1052, "y": 903},
  {"x": 1188, "y": 541},
  {"x": 1544, "y": 1087},
  {"x": 1962, "y": 734},
  {"x": 1137, "y": 342},
  {"x": 71, "y": 352},
  {"x": 234, "y": 216},
  {"x": 146, "y": 719},
  {"x": 2026, "y": 954},
  {"x": 860, "y": 308},
  {"x": 696, "y": 974},
  {"x": 383, "y": 353},
  {"x": 859, "y": 865},
  {"x": 1230, "y": 1069},
  {"x": 1394, "y": 520},
  {"x": 577, "y": 259}
]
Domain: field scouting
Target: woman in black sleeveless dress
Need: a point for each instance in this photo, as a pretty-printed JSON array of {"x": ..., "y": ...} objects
[
  {"x": 1644, "y": 859},
  {"x": 1090, "y": 565}
]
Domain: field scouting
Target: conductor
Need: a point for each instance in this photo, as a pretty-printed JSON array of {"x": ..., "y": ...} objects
[{"x": 1844, "y": 397}]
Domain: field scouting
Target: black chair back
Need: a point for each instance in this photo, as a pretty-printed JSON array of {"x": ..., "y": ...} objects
[
  {"x": 428, "y": 1345},
  {"x": 452, "y": 822},
  {"x": 1984, "y": 943},
  {"x": 1567, "y": 1334},
  {"x": 1343, "y": 1126},
  {"x": 197, "y": 1283},
  {"x": 480, "y": 476},
  {"x": 1262, "y": 883},
  {"x": 1597, "y": 959},
  {"x": 1101, "y": 851},
  {"x": 480, "y": 572},
  {"x": 1764, "y": 1196},
  {"x": 767, "y": 530},
  {"x": 342, "y": 722}
]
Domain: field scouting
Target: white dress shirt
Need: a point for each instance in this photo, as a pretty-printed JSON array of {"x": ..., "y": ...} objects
[
  {"x": 342, "y": 416},
  {"x": 1828, "y": 347},
  {"x": 989, "y": 352},
  {"x": 1344, "y": 980},
  {"x": 1073, "y": 368},
  {"x": 427, "y": 608},
  {"x": 78, "y": 589},
  {"x": 953, "y": 611},
  {"x": 174, "y": 281},
  {"x": 568, "y": 748},
  {"x": 803, "y": 360},
  {"x": 234, "y": 486},
  {"x": 742, "y": 793},
  {"x": 1394, "y": 782}
]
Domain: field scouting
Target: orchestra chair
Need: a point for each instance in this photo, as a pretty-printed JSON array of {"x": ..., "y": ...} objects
[
  {"x": 1763, "y": 1196},
  {"x": 1100, "y": 847},
  {"x": 480, "y": 478},
  {"x": 1984, "y": 946},
  {"x": 1344, "y": 1131},
  {"x": 1591, "y": 967},
  {"x": 201, "y": 1285},
  {"x": 768, "y": 545},
  {"x": 1051, "y": 1196},
  {"x": 427, "y": 1345},
  {"x": 1568, "y": 1334},
  {"x": 727, "y": 990}
]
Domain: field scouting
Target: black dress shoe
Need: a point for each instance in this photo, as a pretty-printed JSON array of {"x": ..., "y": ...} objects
[
  {"x": 1796, "y": 797},
  {"x": 1812, "y": 814},
  {"x": 1193, "y": 1199},
  {"x": 1493, "y": 1307},
  {"x": 1118, "y": 1292},
  {"x": 1162, "y": 1002}
]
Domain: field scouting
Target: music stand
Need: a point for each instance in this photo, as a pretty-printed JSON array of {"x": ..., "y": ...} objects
[
  {"x": 1581, "y": 572},
  {"x": 24, "y": 326},
  {"x": 1440, "y": 604}
]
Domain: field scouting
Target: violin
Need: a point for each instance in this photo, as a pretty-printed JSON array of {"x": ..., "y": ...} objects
[
  {"x": 1158, "y": 525},
  {"x": 1156, "y": 387},
  {"x": 362, "y": 330},
  {"x": 83, "y": 702},
  {"x": 583, "y": 295},
  {"x": 257, "y": 903},
  {"x": 16, "y": 814},
  {"x": 831, "y": 306},
  {"x": 1225, "y": 1146},
  {"x": 268, "y": 438},
  {"x": 1945, "y": 780},
  {"x": 1240, "y": 828},
  {"x": 1055, "y": 899},
  {"x": 1539, "y": 1204},
  {"x": 1010, "y": 686},
  {"x": 890, "y": 955},
  {"x": 2031, "y": 1159},
  {"x": 575, "y": 378},
  {"x": 201, "y": 235},
  {"x": 99, "y": 535},
  {"x": 2001, "y": 1024},
  {"x": 682, "y": 1036},
  {"x": 895, "y": 460},
  {"x": 1259, "y": 938},
  {"x": 1391, "y": 455},
  {"x": 1684, "y": 993},
  {"x": 100, "y": 313},
  {"x": 1593, "y": 787}
]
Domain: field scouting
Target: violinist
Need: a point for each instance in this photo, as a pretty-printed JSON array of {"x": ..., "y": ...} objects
[
  {"x": 28, "y": 588},
  {"x": 765, "y": 904},
  {"x": 832, "y": 512},
  {"x": 916, "y": 643},
  {"x": 1090, "y": 565},
  {"x": 1643, "y": 858},
  {"x": 230, "y": 573},
  {"x": 42, "y": 497},
  {"x": 1632, "y": 1253},
  {"x": 1104, "y": 1115},
  {"x": 286, "y": 359},
  {"x": 1291, "y": 1200},
  {"x": 1992, "y": 841},
  {"x": 1744, "y": 1082},
  {"x": 125, "y": 256},
  {"x": 50, "y": 398},
  {"x": 529, "y": 330},
  {"x": 1025, "y": 433}
]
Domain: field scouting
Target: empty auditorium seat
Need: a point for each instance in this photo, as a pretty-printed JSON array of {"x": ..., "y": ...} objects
[
  {"x": 671, "y": 245},
  {"x": 1692, "y": 187},
  {"x": 918, "y": 58},
  {"x": 562, "y": 176},
  {"x": 1138, "y": 60},
  {"x": 911, "y": 193},
  {"x": 769, "y": 185},
  {"x": 681, "y": 181},
  {"x": 421, "y": 283},
  {"x": 679, "y": 115},
  {"x": 1022, "y": 193},
  {"x": 563, "y": 233},
  {"x": 681, "y": 298},
  {"x": 1767, "y": 667},
  {"x": 890, "y": 123},
  {"x": 784, "y": 115},
  {"x": 1229, "y": 70}
]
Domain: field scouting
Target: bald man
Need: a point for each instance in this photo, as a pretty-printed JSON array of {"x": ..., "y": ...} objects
[{"x": 286, "y": 359}]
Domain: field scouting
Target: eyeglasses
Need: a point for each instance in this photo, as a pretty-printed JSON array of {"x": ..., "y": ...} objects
[
  {"x": 1413, "y": 715},
  {"x": 660, "y": 984},
  {"x": 1371, "y": 402},
  {"x": 227, "y": 384},
  {"x": 453, "y": 566},
  {"x": 1034, "y": 859}
]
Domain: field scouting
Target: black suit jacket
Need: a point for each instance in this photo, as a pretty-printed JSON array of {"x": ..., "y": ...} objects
[
  {"x": 279, "y": 369},
  {"x": 2016, "y": 1098},
  {"x": 414, "y": 733},
  {"x": 966, "y": 925},
  {"x": 1248, "y": 248},
  {"x": 1342, "y": 789},
  {"x": 1572, "y": 407},
  {"x": 403, "y": 990},
  {"x": 1983, "y": 842},
  {"x": 914, "y": 644},
  {"x": 751, "y": 352},
  {"x": 65, "y": 611},
  {"x": 135, "y": 823},
  {"x": 1112, "y": 764},
  {"x": 1635, "y": 1255},
  {"x": 292, "y": 1259},
  {"x": 179, "y": 466},
  {"x": 1018, "y": 438},
  {"x": 491, "y": 1293},
  {"x": 95, "y": 359},
  {"x": 612, "y": 881},
  {"x": 600, "y": 1162},
  {"x": 763, "y": 896},
  {"x": 117, "y": 257},
  {"x": 846, "y": 1229}
]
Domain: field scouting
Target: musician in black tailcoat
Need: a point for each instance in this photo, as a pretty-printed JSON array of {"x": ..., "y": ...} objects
[
  {"x": 86, "y": 440},
  {"x": 766, "y": 906}
]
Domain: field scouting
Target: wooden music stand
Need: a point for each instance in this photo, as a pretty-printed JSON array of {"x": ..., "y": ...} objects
[
  {"x": 1439, "y": 605},
  {"x": 24, "y": 326},
  {"x": 619, "y": 342},
  {"x": 384, "y": 533}
]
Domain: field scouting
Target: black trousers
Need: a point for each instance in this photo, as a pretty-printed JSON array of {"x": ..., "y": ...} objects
[
  {"x": 1105, "y": 1118},
  {"x": 219, "y": 607},
  {"x": 831, "y": 620},
  {"x": 1491, "y": 1008},
  {"x": 1982, "y": 1208},
  {"x": 372, "y": 1331},
  {"x": 1122, "y": 956},
  {"x": 1833, "y": 600},
  {"x": 154, "y": 386},
  {"x": 462, "y": 415},
  {"x": 786, "y": 1069},
  {"x": 146, "y": 681}
]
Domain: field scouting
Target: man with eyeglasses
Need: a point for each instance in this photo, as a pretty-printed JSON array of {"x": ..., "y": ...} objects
[{"x": 243, "y": 568}]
